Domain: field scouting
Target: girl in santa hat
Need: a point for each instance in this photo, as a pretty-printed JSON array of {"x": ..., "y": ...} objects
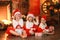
[
  {"x": 43, "y": 28},
  {"x": 31, "y": 24},
  {"x": 17, "y": 23}
]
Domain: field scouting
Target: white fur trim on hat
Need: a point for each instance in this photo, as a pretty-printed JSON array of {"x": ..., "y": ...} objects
[
  {"x": 17, "y": 13},
  {"x": 30, "y": 15}
]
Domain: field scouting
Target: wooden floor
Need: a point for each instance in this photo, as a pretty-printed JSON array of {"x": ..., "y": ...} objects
[{"x": 56, "y": 36}]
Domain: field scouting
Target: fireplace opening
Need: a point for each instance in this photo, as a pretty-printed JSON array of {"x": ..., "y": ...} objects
[{"x": 5, "y": 13}]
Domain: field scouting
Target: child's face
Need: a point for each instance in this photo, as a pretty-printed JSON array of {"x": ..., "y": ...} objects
[
  {"x": 51, "y": 28},
  {"x": 18, "y": 16},
  {"x": 43, "y": 20},
  {"x": 30, "y": 19},
  {"x": 18, "y": 27}
]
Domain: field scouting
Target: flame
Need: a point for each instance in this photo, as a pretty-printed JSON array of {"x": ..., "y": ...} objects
[{"x": 6, "y": 22}]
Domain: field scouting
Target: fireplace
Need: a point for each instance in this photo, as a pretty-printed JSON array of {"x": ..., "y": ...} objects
[{"x": 5, "y": 13}]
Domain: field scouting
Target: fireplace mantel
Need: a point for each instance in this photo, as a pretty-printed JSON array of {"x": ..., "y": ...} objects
[{"x": 4, "y": 3}]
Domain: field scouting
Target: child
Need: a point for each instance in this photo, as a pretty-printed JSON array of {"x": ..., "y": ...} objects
[
  {"x": 31, "y": 25},
  {"x": 43, "y": 28},
  {"x": 16, "y": 22}
]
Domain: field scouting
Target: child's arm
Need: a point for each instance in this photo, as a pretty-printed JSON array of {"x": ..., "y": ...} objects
[{"x": 37, "y": 21}]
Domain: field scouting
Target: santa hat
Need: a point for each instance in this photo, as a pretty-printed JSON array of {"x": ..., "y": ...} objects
[
  {"x": 16, "y": 11},
  {"x": 30, "y": 15},
  {"x": 44, "y": 17}
]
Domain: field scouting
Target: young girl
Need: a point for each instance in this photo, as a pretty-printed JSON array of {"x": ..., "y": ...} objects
[
  {"x": 17, "y": 23},
  {"x": 30, "y": 26},
  {"x": 43, "y": 28}
]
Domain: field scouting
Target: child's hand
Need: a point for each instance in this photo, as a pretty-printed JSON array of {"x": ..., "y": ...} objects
[
  {"x": 37, "y": 17},
  {"x": 45, "y": 31},
  {"x": 36, "y": 22},
  {"x": 31, "y": 32},
  {"x": 32, "y": 28}
]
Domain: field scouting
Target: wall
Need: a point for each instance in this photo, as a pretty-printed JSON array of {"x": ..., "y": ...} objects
[
  {"x": 3, "y": 12},
  {"x": 42, "y": 1},
  {"x": 34, "y": 7}
]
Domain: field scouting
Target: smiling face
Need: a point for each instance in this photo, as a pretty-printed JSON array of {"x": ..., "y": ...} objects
[
  {"x": 30, "y": 19},
  {"x": 43, "y": 20},
  {"x": 17, "y": 16}
]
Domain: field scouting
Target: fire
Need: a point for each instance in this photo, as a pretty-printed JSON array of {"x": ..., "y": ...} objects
[{"x": 7, "y": 22}]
